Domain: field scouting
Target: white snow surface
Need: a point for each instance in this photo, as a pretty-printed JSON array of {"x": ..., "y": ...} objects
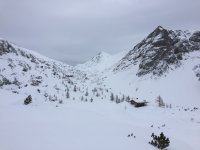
[
  {"x": 179, "y": 87},
  {"x": 98, "y": 125},
  {"x": 88, "y": 120}
]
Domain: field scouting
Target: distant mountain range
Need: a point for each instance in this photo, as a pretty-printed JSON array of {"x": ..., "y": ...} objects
[{"x": 165, "y": 63}]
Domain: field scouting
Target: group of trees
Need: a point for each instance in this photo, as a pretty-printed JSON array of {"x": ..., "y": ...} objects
[
  {"x": 86, "y": 99},
  {"x": 117, "y": 99},
  {"x": 95, "y": 92},
  {"x": 82, "y": 97},
  {"x": 100, "y": 93},
  {"x": 161, "y": 102}
]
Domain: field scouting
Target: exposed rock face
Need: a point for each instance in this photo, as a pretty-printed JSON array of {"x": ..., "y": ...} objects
[
  {"x": 195, "y": 37},
  {"x": 160, "y": 51},
  {"x": 6, "y": 47}
]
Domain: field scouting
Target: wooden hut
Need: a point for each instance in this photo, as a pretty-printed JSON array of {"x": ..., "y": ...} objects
[{"x": 138, "y": 104}]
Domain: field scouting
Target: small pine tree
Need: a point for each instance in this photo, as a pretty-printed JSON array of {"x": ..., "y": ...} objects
[
  {"x": 160, "y": 142},
  {"x": 67, "y": 95},
  {"x": 82, "y": 98},
  {"x": 94, "y": 90},
  {"x": 166, "y": 105},
  {"x": 91, "y": 100},
  {"x": 117, "y": 99},
  {"x": 127, "y": 98},
  {"x": 112, "y": 97},
  {"x": 75, "y": 88},
  {"x": 97, "y": 95},
  {"x": 160, "y": 101},
  {"x": 28, "y": 100},
  {"x": 123, "y": 98},
  {"x": 170, "y": 105},
  {"x": 86, "y": 94}
]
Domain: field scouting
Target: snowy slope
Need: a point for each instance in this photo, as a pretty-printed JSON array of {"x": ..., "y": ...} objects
[
  {"x": 165, "y": 68},
  {"x": 178, "y": 87},
  {"x": 99, "y": 125},
  {"x": 87, "y": 118},
  {"x": 101, "y": 62},
  {"x": 26, "y": 72}
]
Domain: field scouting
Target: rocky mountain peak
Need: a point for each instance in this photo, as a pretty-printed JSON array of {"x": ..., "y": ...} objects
[
  {"x": 159, "y": 30},
  {"x": 99, "y": 57},
  {"x": 159, "y": 37},
  {"x": 160, "y": 51},
  {"x": 6, "y": 47},
  {"x": 195, "y": 37}
]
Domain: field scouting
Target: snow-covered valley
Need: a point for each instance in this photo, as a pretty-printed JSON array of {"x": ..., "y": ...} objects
[
  {"x": 88, "y": 106},
  {"x": 98, "y": 125}
]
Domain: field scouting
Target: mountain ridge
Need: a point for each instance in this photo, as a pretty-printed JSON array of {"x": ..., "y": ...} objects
[
  {"x": 125, "y": 73},
  {"x": 91, "y": 102},
  {"x": 160, "y": 51},
  {"x": 101, "y": 62}
]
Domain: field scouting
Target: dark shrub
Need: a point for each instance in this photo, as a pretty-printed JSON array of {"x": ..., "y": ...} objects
[{"x": 28, "y": 100}]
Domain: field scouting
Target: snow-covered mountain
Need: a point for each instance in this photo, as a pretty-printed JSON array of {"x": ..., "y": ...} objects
[
  {"x": 161, "y": 51},
  {"x": 85, "y": 107},
  {"x": 101, "y": 62},
  {"x": 165, "y": 63},
  {"x": 26, "y": 72}
]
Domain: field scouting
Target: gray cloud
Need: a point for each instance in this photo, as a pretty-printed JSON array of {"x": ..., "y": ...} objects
[{"x": 74, "y": 30}]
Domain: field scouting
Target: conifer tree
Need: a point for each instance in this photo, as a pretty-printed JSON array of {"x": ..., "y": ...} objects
[
  {"x": 28, "y": 100},
  {"x": 82, "y": 98},
  {"x": 127, "y": 98},
  {"x": 123, "y": 98},
  {"x": 117, "y": 99},
  {"x": 67, "y": 95},
  {"x": 160, "y": 101},
  {"x": 86, "y": 93},
  {"x": 160, "y": 142},
  {"x": 97, "y": 95},
  {"x": 75, "y": 88},
  {"x": 91, "y": 100},
  {"x": 112, "y": 97}
]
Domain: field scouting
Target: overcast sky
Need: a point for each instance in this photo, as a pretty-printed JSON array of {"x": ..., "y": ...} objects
[{"x": 72, "y": 31}]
